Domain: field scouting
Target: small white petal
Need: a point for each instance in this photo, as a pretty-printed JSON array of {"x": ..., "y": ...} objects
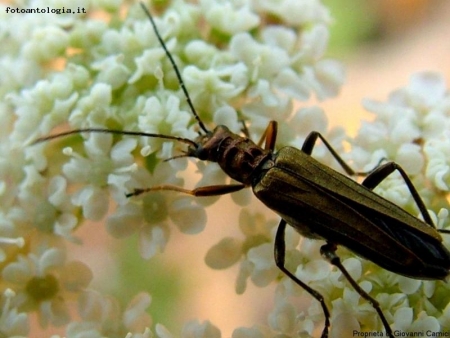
[
  {"x": 196, "y": 330},
  {"x": 94, "y": 201},
  {"x": 227, "y": 116},
  {"x": 224, "y": 254},
  {"x": 77, "y": 276},
  {"x": 244, "y": 332},
  {"x": 152, "y": 240},
  {"x": 283, "y": 318},
  {"x": 403, "y": 318},
  {"x": 162, "y": 332},
  {"x": 408, "y": 286},
  {"x": 189, "y": 217},
  {"x": 125, "y": 221},
  {"x": 426, "y": 88},
  {"x": 50, "y": 259}
]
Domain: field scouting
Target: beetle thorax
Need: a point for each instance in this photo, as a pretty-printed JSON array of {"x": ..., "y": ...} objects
[{"x": 237, "y": 156}]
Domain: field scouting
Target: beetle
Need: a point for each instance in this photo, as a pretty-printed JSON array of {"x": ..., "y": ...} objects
[{"x": 317, "y": 201}]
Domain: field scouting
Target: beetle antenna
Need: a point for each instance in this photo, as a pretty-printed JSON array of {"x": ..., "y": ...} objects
[
  {"x": 175, "y": 67},
  {"x": 176, "y": 156},
  {"x": 115, "y": 132}
]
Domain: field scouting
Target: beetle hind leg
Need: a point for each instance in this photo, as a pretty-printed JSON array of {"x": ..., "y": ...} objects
[
  {"x": 383, "y": 171},
  {"x": 280, "y": 255},
  {"x": 328, "y": 251}
]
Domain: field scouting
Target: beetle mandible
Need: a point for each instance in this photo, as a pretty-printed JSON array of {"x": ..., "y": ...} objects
[{"x": 317, "y": 201}]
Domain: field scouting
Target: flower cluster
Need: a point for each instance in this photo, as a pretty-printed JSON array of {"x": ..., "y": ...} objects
[
  {"x": 248, "y": 62},
  {"x": 411, "y": 128},
  {"x": 240, "y": 61}
]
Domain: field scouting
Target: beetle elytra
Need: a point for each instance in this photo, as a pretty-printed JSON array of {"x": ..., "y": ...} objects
[{"x": 317, "y": 201}]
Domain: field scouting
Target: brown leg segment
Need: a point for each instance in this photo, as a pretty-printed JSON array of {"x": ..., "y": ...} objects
[{"x": 211, "y": 190}]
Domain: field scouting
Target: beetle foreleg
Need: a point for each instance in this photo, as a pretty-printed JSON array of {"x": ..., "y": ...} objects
[
  {"x": 269, "y": 137},
  {"x": 244, "y": 129},
  {"x": 280, "y": 254},
  {"x": 310, "y": 142},
  {"x": 328, "y": 251},
  {"x": 383, "y": 171},
  {"x": 211, "y": 190}
]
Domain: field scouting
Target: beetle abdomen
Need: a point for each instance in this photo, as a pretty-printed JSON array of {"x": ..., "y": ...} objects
[{"x": 327, "y": 205}]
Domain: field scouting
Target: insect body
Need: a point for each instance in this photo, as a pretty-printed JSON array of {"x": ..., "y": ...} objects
[
  {"x": 315, "y": 200},
  {"x": 321, "y": 203}
]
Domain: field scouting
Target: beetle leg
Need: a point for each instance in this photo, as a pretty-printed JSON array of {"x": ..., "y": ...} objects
[
  {"x": 280, "y": 254},
  {"x": 383, "y": 171},
  {"x": 244, "y": 129},
  {"x": 269, "y": 137},
  {"x": 328, "y": 251},
  {"x": 210, "y": 190},
  {"x": 310, "y": 142}
]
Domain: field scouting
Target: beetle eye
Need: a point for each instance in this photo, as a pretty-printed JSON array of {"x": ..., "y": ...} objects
[{"x": 201, "y": 153}]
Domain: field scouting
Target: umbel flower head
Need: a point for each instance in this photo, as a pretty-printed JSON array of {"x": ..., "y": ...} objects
[{"x": 240, "y": 61}]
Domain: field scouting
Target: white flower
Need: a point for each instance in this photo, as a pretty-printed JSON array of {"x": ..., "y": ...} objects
[
  {"x": 264, "y": 61},
  {"x": 253, "y": 332},
  {"x": 41, "y": 205},
  {"x": 282, "y": 319},
  {"x": 411, "y": 129},
  {"x": 12, "y": 322},
  {"x": 150, "y": 214},
  {"x": 438, "y": 168},
  {"x": 314, "y": 270},
  {"x": 235, "y": 64},
  {"x": 404, "y": 321},
  {"x": 46, "y": 43},
  {"x": 227, "y": 116},
  {"x": 224, "y": 254},
  {"x": 29, "y": 201},
  {"x": 44, "y": 281},
  {"x": 17, "y": 73},
  {"x": 209, "y": 88},
  {"x": 255, "y": 251},
  {"x": 102, "y": 316},
  {"x": 105, "y": 169},
  {"x": 112, "y": 71},
  {"x": 93, "y": 108},
  {"x": 7, "y": 241},
  {"x": 45, "y": 105},
  {"x": 228, "y": 17},
  {"x": 147, "y": 63},
  {"x": 194, "y": 329},
  {"x": 161, "y": 114},
  {"x": 295, "y": 12}
]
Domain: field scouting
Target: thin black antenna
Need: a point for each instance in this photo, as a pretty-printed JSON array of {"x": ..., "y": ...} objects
[
  {"x": 116, "y": 132},
  {"x": 177, "y": 72}
]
